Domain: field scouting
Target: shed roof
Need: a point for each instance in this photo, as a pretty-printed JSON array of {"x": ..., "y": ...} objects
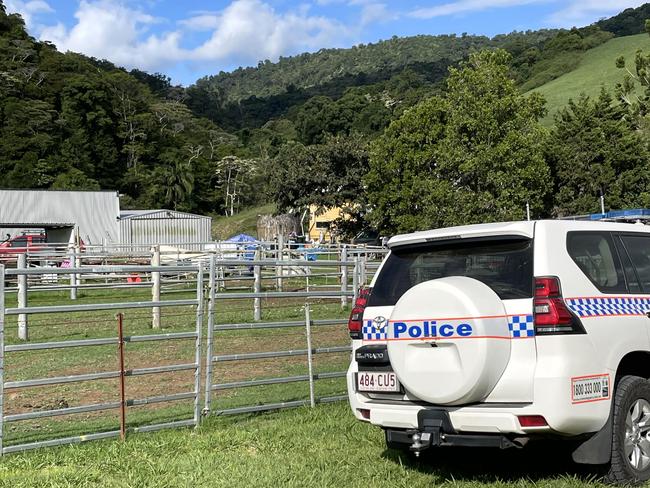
[{"x": 158, "y": 214}]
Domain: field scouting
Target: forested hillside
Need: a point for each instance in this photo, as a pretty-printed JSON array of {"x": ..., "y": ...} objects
[
  {"x": 72, "y": 122},
  {"x": 309, "y": 128},
  {"x": 249, "y": 97},
  {"x": 629, "y": 22}
]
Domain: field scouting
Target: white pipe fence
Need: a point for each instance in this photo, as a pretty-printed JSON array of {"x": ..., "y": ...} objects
[{"x": 240, "y": 295}]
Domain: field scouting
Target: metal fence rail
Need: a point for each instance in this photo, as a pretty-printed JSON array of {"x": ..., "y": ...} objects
[
  {"x": 233, "y": 300},
  {"x": 120, "y": 340},
  {"x": 214, "y": 359}
]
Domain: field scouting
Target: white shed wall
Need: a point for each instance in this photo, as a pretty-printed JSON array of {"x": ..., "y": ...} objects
[
  {"x": 166, "y": 227},
  {"x": 95, "y": 213}
]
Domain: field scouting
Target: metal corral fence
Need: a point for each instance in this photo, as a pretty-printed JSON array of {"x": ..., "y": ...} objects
[{"x": 133, "y": 339}]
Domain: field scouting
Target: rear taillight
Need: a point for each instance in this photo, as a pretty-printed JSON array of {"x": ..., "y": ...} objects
[
  {"x": 355, "y": 324},
  {"x": 552, "y": 316}
]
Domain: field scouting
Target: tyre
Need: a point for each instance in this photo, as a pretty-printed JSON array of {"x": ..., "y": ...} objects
[{"x": 630, "y": 463}]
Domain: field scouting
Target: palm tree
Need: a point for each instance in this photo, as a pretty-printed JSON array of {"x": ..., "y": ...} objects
[{"x": 179, "y": 183}]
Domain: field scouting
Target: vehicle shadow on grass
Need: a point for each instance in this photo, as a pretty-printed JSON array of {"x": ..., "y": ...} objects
[{"x": 537, "y": 461}]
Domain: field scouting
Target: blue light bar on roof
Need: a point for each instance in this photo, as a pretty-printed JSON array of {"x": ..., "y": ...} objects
[{"x": 629, "y": 214}]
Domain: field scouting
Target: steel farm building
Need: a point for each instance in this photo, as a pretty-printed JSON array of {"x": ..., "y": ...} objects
[{"x": 96, "y": 217}]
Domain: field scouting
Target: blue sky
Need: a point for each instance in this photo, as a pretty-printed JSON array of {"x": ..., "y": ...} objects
[{"x": 188, "y": 39}]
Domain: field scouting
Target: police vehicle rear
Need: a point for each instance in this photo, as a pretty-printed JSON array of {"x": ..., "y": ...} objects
[{"x": 499, "y": 334}]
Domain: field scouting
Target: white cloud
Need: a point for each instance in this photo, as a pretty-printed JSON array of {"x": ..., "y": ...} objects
[
  {"x": 110, "y": 30},
  {"x": 253, "y": 29},
  {"x": 246, "y": 31},
  {"x": 28, "y": 9},
  {"x": 372, "y": 11},
  {"x": 201, "y": 22},
  {"x": 583, "y": 12},
  {"x": 466, "y": 6}
]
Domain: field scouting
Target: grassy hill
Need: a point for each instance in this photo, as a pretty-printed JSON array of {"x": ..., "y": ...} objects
[
  {"x": 245, "y": 222},
  {"x": 597, "y": 68}
]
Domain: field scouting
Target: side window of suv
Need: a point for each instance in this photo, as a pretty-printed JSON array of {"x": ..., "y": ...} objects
[
  {"x": 631, "y": 277},
  {"x": 638, "y": 248},
  {"x": 596, "y": 256}
]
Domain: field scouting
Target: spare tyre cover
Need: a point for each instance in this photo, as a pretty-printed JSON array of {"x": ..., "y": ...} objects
[{"x": 448, "y": 340}]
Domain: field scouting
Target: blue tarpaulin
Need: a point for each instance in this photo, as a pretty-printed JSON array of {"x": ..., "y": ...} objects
[
  {"x": 246, "y": 243},
  {"x": 241, "y": 238}
]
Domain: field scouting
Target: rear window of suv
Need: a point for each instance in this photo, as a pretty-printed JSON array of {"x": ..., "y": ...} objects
[{"x": 505, "y": 265}]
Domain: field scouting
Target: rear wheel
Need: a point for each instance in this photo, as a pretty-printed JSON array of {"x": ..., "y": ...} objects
[{"x": 630, "y": 463}]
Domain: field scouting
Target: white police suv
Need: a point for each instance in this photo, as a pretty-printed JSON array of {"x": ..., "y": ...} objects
[{"x": 497, "y": 334}]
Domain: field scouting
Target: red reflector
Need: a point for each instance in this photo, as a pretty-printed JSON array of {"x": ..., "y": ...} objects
[
  {"x": 532, "y": 421},
  {"x": 365, "y": 413}
]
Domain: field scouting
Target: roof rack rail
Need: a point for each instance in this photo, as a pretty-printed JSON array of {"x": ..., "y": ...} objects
[{"x": 635, "y": 215}]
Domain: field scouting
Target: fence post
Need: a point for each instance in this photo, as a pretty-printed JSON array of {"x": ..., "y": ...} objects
[
  {"x": 310, "y": 357},
  {"x": 279, "y": 257},
  {"x": 355, "y": 279},
  {"x": 120, "y": 356},
  {"x": 155, "y": 290},
  {"x": 76, "y": 263},
  {"x": 73, "y": 276},
  {"x": 221, "y": 275},
  {"x": 2, "y": 352},
  {"x": 197, "y": 351},
  {"x": 208, "y": 354},
  {"x": 23, "y": 329},
  {"x": 344, "y": 276},
  {"x": 364, "y": 263},
  {"x": 257, "y": 288}
]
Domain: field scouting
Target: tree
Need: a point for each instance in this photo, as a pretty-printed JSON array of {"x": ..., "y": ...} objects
[
  {"x": 634, "y": 91},
  {"x": 235, "y": 176},
  {"x": 473, "y": 155},
  {"x": 74, "y": 180},
  {"x": 326, "y": 175},
  {"x": 179, "y": 180},
  {"x": 593, "y": 150},
  {"x": 401, "y": 164},
  {"x": 130, "y": 105}
]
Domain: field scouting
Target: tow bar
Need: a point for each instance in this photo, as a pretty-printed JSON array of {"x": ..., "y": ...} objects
[
  {"x": 420, "y": 442},
  {"x": 435, "y": 429}
]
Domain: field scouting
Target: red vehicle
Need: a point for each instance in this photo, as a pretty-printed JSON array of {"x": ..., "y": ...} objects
[{"x": 25, "y": 242}]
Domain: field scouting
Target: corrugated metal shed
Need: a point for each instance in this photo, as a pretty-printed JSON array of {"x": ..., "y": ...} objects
[
  {"x": 95, "y": 213},
  {"x": 144, "y": 227}
]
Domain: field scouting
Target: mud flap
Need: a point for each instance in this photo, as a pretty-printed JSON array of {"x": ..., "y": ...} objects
[{"x": 598, "y": 448}]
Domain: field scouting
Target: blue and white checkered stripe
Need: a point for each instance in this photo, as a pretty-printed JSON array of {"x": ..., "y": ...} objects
[
  {"x": 521, "y": 326},
  {"x": 601, "y": 307},
  {"x": 518, "y": 325},
  {"x": 372, "y": 334}
]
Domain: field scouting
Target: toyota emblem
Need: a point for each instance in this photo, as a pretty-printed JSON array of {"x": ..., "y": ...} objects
[{"x": 379, "y": 323}]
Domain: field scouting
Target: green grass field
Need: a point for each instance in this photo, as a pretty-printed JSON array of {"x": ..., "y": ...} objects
[
  {"x": 323, "y": 447},
  {"x": 95, "y": 359},
  {"x": 596, "y": 69}
]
